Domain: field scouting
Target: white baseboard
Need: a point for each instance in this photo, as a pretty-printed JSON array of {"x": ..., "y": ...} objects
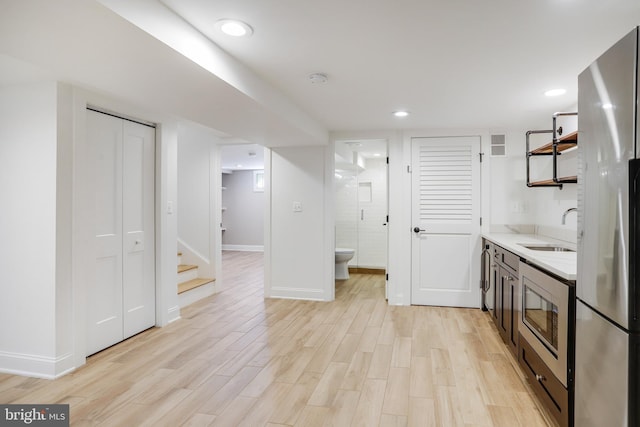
[
  {"x": 174, "y": 314},
  {"x": 31, "y": 365},
  {"x": 245, "y": 248},
  {"x": 296, "y": 293}
]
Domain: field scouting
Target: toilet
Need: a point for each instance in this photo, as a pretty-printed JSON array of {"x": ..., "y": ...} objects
[{"x": 343, "y": 256}]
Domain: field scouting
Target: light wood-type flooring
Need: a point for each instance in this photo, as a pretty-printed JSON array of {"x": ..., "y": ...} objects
[{"x": 236, "y": 359}]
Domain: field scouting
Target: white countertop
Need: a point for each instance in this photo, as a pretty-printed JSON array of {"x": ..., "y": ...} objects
[{"x": 562, "y": 264}]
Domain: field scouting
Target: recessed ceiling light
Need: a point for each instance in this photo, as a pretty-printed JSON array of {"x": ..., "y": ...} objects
[
  {"x": 607, "y": 106},
  {"x": 555, "y": 92},
  {"x": 401, "y": 113},
  {"x": 235, "y": 28},
  {"x": 238, "y": 165},
  {"x": 377, "y": 154}
]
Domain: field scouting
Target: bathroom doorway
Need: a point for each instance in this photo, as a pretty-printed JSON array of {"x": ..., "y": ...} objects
[{"x": 361, "y": 202}]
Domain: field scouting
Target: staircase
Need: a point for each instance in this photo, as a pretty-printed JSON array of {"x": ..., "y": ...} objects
[{"x": 191, "y": 287}]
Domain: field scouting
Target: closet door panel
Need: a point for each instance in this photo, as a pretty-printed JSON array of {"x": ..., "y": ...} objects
[
  {"x": 104, "y": 294},
  {"x": 138, "y": 226}
]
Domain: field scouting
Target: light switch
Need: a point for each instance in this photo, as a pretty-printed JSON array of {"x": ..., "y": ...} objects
[
  {"x": 297, "y": 206},
  {"x": 169, "y": 207}
]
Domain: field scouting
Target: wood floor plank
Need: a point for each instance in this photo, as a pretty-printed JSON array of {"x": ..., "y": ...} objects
[
  {"x": 370, "y": 403},
  {"x": 381, "y": 362},
  {"x": 236, "y": 358},
  {"x": 422, "y": 412},
  {"x": 357, "y": 371},
  {"x": 327, "y": 388},
  {"x": 341, "y": 412},
  {"x": 396, "y": 397}
]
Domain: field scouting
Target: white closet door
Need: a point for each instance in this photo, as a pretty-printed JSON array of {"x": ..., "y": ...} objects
[
  {"x": 138, "y": 228},
  {"x": 104, "y": 294},
  {"x": 121, "y": 299}
]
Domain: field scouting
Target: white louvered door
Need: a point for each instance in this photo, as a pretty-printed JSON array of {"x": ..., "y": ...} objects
[{"x": 445, "y": 197}]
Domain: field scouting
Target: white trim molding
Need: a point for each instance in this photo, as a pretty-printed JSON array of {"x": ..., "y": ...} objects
[
  {"x": 33, "y": 365},
  {"x": 297, "y": 293},
  {"x": 244, "y": 248}
]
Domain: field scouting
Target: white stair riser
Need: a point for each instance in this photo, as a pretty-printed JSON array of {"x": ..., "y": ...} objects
[
  {"x": 187, "y": 275},
  {"x": 193, "y": 295}
]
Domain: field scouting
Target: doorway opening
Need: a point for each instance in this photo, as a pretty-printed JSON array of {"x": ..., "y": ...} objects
[
  {"x": 242, "y": 200},
  {"x": 361, "y": 203}
]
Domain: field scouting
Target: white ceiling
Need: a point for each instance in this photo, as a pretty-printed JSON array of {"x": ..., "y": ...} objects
[
  {"x": 451, "y": 63},
  {"x": 242, "y": 157}
]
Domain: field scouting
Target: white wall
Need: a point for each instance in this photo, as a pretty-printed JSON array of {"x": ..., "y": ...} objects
[
  {"x": 513, "y": 203},
  {"x": 29, "y": 264},
  {"x": 299, "y": 251},
  {"x": 64, "y": 231},
  {"x": 198, "y": 188},
  {"x": 510, "y": 200},
  {"x": 243, "y": 218}
]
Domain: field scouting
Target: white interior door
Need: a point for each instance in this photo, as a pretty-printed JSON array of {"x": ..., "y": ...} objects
[
  {"x": 138, "y": 282},
  {"x": 104, "y": 294},
  {"x": 121, "y": 299},
  {"x": 446, "y": 220}
]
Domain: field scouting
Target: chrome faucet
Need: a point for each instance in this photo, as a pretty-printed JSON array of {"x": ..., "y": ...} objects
[{"x": 564, "y": 215}]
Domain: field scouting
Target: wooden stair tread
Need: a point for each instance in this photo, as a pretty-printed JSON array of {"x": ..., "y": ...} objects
[
  {"x": 186, "y": 267},
  {"x": 192, "y": 284}
]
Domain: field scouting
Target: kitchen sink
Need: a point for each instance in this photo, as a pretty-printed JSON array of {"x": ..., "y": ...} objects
[{"x": 547, "y": 248}]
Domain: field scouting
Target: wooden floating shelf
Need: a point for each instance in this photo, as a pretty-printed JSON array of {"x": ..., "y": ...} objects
[
  {"x": 552, "y": 183},
  {"x": 568, "y": 141},
  {"x": 568, "y": 180},
  {"x": 544, "y": 183}
]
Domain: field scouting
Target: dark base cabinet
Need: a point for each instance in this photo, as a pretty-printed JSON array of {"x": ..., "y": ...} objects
[
  {"x": 555, "y": 397},
  {"x": 507, "y": 296}
]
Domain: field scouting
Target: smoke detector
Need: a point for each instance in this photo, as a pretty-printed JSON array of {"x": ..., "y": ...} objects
[{"x": 318, "y": 78}]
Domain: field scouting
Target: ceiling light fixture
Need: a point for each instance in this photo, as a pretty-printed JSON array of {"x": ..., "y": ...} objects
[
  {"x": 318, "y": 78},
  {"x": 401, "y": 113},
  {"x": 555, "y": 92},
  {"x": 234, "y": 28}
]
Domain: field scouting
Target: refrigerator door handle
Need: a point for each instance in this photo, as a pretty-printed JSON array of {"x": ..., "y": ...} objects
[{"x": 634, "y": 235}]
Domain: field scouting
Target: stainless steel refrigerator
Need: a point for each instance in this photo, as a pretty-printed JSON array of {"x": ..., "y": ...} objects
[{"x": 607, "y": 365}]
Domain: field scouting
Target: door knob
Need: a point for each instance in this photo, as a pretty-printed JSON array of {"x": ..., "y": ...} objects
[{"x": 418, "y": 229}]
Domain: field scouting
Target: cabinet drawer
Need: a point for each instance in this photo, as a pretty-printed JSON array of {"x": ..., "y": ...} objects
[
  {"x": 507, "y": 258},
  {"x": 551, "y": 392}
]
